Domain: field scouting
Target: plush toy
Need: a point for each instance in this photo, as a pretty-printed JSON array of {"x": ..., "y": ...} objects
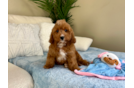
[
  {"x": 105, "y": 66},
  {"x": 110, "y": 59}
]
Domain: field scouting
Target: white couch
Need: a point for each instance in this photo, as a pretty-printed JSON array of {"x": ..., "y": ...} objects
[{"x": 18, "y": 77}]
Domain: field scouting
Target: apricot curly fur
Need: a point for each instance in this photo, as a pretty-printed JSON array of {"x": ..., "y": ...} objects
[{"x": 73, "y": 58}]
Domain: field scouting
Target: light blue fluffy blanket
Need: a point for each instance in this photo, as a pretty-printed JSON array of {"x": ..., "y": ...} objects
[{"x": 60, "y": 77}]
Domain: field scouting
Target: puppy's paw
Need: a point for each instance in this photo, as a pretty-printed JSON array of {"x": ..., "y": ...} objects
[
  {"x": 65, "y": 65},
  {"x": 85, "y": 62},
  {"x": 72, "y": 69},
  {"x": 77, "y": 68},
  {"x": 46, "y": 67}
]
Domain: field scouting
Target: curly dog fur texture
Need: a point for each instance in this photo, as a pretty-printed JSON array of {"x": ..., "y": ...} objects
[{"x": 62, "y": 50}]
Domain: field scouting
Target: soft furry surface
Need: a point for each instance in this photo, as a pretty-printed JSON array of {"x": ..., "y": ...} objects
[
  {"x": 62, "y": 50},
  {"x": 60, "y": 77}
]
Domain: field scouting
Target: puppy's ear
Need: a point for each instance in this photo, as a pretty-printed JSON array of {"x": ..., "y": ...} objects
[
  {"x": 51, "y": 40},
  {"x": 73, "y": 40}
]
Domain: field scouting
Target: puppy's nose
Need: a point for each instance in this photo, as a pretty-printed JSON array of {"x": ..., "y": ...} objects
[{"x": 62, "y": 37}]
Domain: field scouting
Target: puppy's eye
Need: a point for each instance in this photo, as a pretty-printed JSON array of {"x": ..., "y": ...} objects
[
  {"x": 57, "y": 31},
  {"x": 65, "y": 30}
]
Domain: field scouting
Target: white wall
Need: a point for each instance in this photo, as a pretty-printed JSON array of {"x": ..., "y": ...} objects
[
  {"x": 102, "y": 20},
  {"x": 25, "y": 7}
]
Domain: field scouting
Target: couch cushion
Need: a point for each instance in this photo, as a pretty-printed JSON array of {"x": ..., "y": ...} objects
[
  {"x": 83, "y": 43},
  {"x": 18, "y": 78},
  {"x": 23, "y": 40}
]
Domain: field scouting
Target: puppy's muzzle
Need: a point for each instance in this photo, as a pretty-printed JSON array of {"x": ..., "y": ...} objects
[{"x": 62, "y": 37}]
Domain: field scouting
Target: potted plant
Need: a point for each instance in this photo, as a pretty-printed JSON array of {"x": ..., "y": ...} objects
[{"x": 57, "y": 9}]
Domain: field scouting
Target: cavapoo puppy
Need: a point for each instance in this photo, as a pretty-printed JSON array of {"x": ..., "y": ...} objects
[{"x": 62, "y": 50}]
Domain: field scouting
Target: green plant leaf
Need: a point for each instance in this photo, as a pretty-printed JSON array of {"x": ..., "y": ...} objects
[{"x": 57, "y": 9}]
